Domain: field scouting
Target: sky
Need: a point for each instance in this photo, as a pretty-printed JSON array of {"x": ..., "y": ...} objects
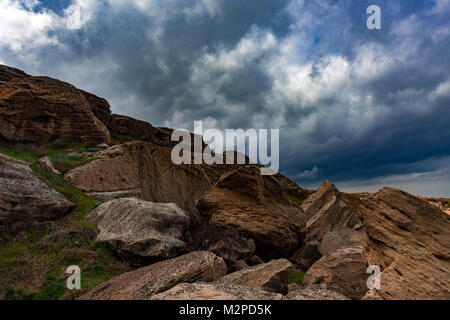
[{"x": 361, "y": 108}]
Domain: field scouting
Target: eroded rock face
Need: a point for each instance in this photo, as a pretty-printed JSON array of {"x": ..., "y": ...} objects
[
  {"x": 99, "y": 106},
  {"x": 258, "y": 206},
  {"x": 404, "y": 235},
  {"x": 141, "y": 231},
  {"x": 215, "y": 291},
  {"x": 9, "y": 73},
  {"x": 272, "y": 276},
  {"x": 410, "y": 240},
  {"x": 41, "y": 110},
  {"x": 143, "y": 283},
  {"x": 24, "y": 199},
  {"x": 145, "y": 167}
]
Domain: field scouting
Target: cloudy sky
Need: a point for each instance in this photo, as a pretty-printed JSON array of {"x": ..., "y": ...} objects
[{"x": 362, "y": 108}]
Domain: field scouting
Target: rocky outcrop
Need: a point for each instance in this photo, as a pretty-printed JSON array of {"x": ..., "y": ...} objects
[
  {"x": 99, "y": 107},
  {"x": 24, "y": 199},
  {"x": 143, "y": 283},
  {"x": 231, "y": 245},
  {"x": 9, "y": 73},
  {"x": 40, "y": 110},
  {"x": 410, "y": 240},
  {"x": 46, "y": 164},
  {"x": 141, "y": 231},
  {"x": 258, "y": 206},
  {"x": 315, "y": 293},
  {"x": 272, "y": 276},
  {"x": 215, "y": 291},
  {"x": 143, "y": 166},
  {"x": 403, "y": 235}
]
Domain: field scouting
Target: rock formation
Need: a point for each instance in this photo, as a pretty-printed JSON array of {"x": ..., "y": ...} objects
[
  {"x": 142, "y": 284},
  {"x": 257, "y": 205},
  {"x": 25, "y": 200},
  {"x": 141, "y": 231},
  {"x": 142, "y": 166},
  {"x": 41, "y": 110},
  {"x": 271, "y": 276}
]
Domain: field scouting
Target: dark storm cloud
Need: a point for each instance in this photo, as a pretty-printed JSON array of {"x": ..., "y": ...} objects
[{"x": 352, "y": 104}]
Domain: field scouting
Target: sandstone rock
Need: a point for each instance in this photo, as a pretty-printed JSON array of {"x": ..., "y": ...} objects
[
  {"x": 46, "y": 164},
  {"x": 143, "y": 283},
  {"x": 102, "y": 146},
  {"x": 272, "y": 276},
  {"x": 41, "y": 110},
  {"x": 228, "y": 244},
  {"x": 141, "y": 231},
  {"x": 255, "y": 260},
  {"x": 343, "y": 271},
  {"x": 307, "y": 255},
  {"x": 408, "y": 238},
  {"x": 9, "y": 73},
  {"x": 143, "y": 166},
  {"x": 258, "y": 206},
  {"x": 315, "y": 293},
  {"x": 24, "y": 199},
  {"x": 113, "y": 195},
  {"x": 99, "y": 107},
  {"x": 215, "y": 291}
]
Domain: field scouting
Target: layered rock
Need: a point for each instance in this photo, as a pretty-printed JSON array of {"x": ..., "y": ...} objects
[
  {"x": 408, "y": 238},
  {"x": 146, "y": 282},
  {"x": 215, "y": 291},
  {"x": 272, "y": 276},
  {"x": 142, "y": 166},
  {"x": 141, "y": 231},
  {"x": 99, "y": 107},
  {"x": 41, "y": 110},
  {"x": 9, "y": 73},
  {"x": 258, "y": 206},
  {"x": 24, "y": 199}
]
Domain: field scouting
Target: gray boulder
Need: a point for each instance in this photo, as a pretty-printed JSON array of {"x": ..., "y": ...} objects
[
  {"x": 141, "y": 231},
  {"x": 25, "y": 200}
]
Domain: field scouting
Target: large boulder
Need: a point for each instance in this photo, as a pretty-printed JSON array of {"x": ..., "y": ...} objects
[
  {"x": 405, "y": 236},
  {"x": 141, "y": 231},
  {"x": 145, "y": 168},
  {"x": 143, "y": 283},
  {"x": 272, "y": 276},
  {"x": 215, "y": 291},
  {"x": 258, "y": 206},
  {"x": 40, "y": 110},
  {"x": 25, "y": 200}
]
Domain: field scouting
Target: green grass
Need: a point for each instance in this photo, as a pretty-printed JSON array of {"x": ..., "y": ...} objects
[
  {"x": 296, "y": 277},
  {"x": 295, "y": 199},
  {"x": 119, "y": 139},
  {"x": 30, "y": 270}
]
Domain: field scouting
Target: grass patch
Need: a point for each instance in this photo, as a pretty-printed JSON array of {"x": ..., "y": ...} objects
[
  {"x": 295, "y": 199},
  {"x": 31, "y": 270},
  {"x": 120, "y": 139},
  {"x": 296, "y": 277}
]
